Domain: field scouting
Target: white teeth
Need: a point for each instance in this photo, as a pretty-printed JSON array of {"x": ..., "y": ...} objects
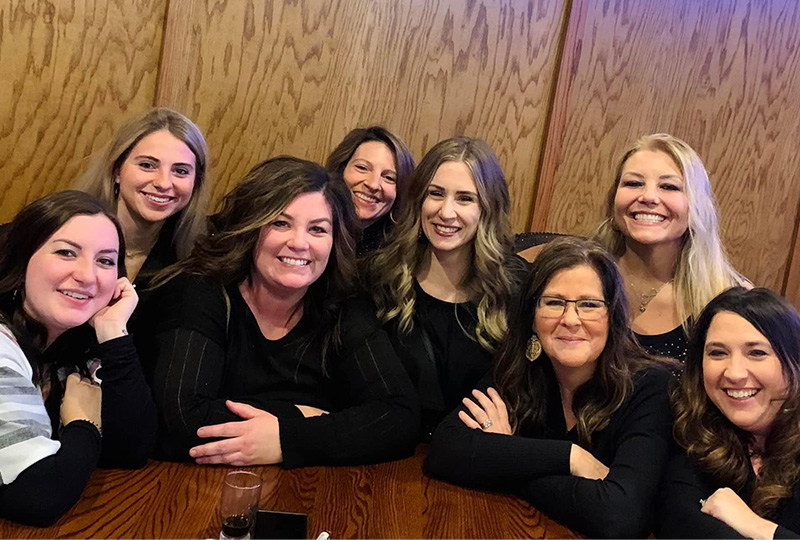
[
  {"x": 653, "y": 218},
  {"x": 76, "y": 295},
  {"x": 294, "y": 262},
  {"x": 365, "y": 197},
  {"x": 446, "y": 230},
  {"x": 158, "y": 199},
  {"x": 741, "y": 394}
]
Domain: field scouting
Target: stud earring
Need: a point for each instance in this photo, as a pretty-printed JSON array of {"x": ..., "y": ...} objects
[
  {"x": 534, "y": 348},
  {"x": 116, "y": 188}
]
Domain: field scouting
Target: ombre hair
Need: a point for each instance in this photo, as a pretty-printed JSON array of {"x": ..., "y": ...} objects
[
  {"x": 101, "y": 176},
  {"x": 403, "y": 160},
  {"x": 390, "y": 272},
  {"x": 227, "y": 254},
  {"x": 713, "y": 441},
  {"x": 702, "y": 270},
  {"x": 523, "y": 384}
]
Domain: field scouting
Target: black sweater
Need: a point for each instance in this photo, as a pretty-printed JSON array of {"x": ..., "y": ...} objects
[
  {"x": 203, "y": 354},
  {"x": 47, "y": 489},
  {"x": 535, "y": 465},
  {"x": 680, "y": 515}
]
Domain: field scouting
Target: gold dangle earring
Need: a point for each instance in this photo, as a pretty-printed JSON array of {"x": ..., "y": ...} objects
[{"x": 534, "y": 348}]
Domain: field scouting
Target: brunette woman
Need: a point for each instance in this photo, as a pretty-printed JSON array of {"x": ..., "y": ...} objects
[
  {"x": 662, "y": 226},
  {"x": 575, "y": 418},
  {"x": 737, "y": 420},
  {"x": 68, "y": 400},
  {"x": 260, "y": 354},
  {"x": 444, "y": 280},
  {"x": 376, "y": 165}
]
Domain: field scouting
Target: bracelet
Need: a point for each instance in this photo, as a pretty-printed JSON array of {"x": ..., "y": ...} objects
[{"x": 95, "y": 424}]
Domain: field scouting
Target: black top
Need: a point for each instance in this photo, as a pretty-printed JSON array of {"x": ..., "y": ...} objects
[
  {"x": 442, "y": 354},
  {"x": 680, "y": 516},
  {"x": 47, "y": 489},
  {"x": 203, "y": 354},
  {"x": 671, "y": 344},
  {"x": 535, "y": 463},
  {"x": 373, "y": 236}
]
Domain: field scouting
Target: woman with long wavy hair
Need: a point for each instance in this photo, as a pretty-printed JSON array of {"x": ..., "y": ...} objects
[
  {"x": 261, "y": 344},
  {"x": 662, "y": 227},
  {"x": 737, "y": 420},
  {"x": 376, "y": 165},
  {"x": 444, "y": 280},
  {"x": 575, "y": 417}
]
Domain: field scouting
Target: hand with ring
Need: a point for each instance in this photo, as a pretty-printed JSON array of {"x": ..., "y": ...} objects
[{"x": 487, "y": 412}]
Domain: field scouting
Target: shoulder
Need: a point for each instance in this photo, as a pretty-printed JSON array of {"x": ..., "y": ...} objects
[
  {"x": 189, "y": 300},
  {"x": 11, "y": 355},
  {"x": 358, "y": 319}
]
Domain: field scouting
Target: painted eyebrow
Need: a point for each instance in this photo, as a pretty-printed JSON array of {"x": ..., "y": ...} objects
[
  {"x": 318, "y": 220},
  {"x": 78, "y": 246},
  {"x": 662, "y": 177},
  {"x": 461, "y": 192},
  {"x": 153, "y": 158}
]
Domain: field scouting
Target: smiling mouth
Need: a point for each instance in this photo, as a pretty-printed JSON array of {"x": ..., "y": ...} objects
[
  {"x": 160, "y": 199},
  {"x": 76, "y": 295},
  {"x": 741, "y": 394},
  {"x": 648, "y": 218},
  {"x": 367, "y": 198},
  {"x": 291, "y": 261},
  {"x": 444, "y": 229}
]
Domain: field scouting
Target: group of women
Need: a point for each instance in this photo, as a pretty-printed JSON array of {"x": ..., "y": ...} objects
[{"x": 342, "y": 314}]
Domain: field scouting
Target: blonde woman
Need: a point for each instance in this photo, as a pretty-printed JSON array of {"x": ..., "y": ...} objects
[
  {"x": 153, "y": 172},
  {"x": 443, "y": 282},
  {"x": 662, "y": 227}
]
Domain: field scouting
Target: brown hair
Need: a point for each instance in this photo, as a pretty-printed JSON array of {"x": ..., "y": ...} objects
[{"x": 715, "y": 442}]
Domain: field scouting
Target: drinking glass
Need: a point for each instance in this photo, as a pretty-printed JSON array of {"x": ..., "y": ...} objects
[{"x": 238, "y": 504}]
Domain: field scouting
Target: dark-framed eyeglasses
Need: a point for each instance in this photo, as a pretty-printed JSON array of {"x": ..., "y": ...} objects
[{"x": 588, "y": 309}]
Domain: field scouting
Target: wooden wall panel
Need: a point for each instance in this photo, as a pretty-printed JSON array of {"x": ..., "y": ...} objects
[
  {"x": 72, "y": 72},
  {"x": 266, "y": 78},
  {"x": 722, "y": 74}
]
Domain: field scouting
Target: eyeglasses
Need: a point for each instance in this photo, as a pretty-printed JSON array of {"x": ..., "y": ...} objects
[{"x": 588, "y": 309}]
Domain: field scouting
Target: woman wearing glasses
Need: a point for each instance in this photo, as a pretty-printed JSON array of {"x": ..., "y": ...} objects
[{"x": 576, "y": 418}]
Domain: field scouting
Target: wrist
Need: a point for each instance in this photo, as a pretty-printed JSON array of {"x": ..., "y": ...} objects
[
  {"x": 110, "y": 330},
  {"x": 763, "y": 528}
]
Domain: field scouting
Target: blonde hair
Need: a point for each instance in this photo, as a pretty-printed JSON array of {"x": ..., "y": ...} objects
[
  {"x": 391, "y": 271},
  {"x": 100, "y": 178},
  {"x": 702, "y": 270}
]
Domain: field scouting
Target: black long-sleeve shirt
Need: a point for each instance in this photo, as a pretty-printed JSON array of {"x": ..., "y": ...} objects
[
  {"x": 680, "y": 515},
  {"x": 634, "y": 446},
  {"x": 48, "y": 488},
  {"x": 205, "y": 353}
]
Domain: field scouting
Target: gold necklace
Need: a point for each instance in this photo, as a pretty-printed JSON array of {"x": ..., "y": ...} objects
[{"x": 646, "y": 298}]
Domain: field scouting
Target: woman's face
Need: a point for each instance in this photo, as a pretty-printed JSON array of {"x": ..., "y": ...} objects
[
  {"x": 573, "y": 344},
  {"x": 451, "y": 209},
  {"x": 73, "y": 274},
  {"x": 742, "y": 374},
  {"x": 371, "y": 176},
  {"x": 156, "y": 180},
  {"x": 292, "y": 251},
  {"x": 651, "y": 206}
]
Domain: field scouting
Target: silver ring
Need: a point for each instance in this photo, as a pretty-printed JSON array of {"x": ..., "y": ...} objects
[
  {"x": 702, "y": 503},
  {"x": 486, "y": 424}
]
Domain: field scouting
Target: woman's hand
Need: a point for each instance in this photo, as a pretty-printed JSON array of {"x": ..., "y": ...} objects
[
  {"x": 309, "y": 411},
  {"x": 254, "y": 441},
  {"x": 725, "y": 505},
  {"x": 490, "y": 411},
  {"x": 585, "y": 465},
  {"x": 111, "y": 321},
  {"x": 82, "y": 401}
]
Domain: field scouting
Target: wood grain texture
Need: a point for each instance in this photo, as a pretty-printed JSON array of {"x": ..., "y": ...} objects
[
  {"x": 72, "y": 73},
  {"x": 388, "y": 500},
  {"x": 724, "y": 75},
  {"x": 287, "y": 77}
]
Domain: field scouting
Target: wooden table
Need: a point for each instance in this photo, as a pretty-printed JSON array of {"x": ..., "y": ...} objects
[{"x": 389, "y": 500}]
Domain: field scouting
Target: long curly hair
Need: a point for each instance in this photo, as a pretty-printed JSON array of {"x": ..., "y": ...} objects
[
  {"x": 101, "y": 176},
  {"x": 227, "y": 253},
  {"x": 391, "y": 271},
  {"x": 702, "y": 270},
  {"x": 713, "y": 441},
  {"x": 523, "y": 384},
  {"x": 23, "y": 237},
  {"x": 404, "y": 161}
]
